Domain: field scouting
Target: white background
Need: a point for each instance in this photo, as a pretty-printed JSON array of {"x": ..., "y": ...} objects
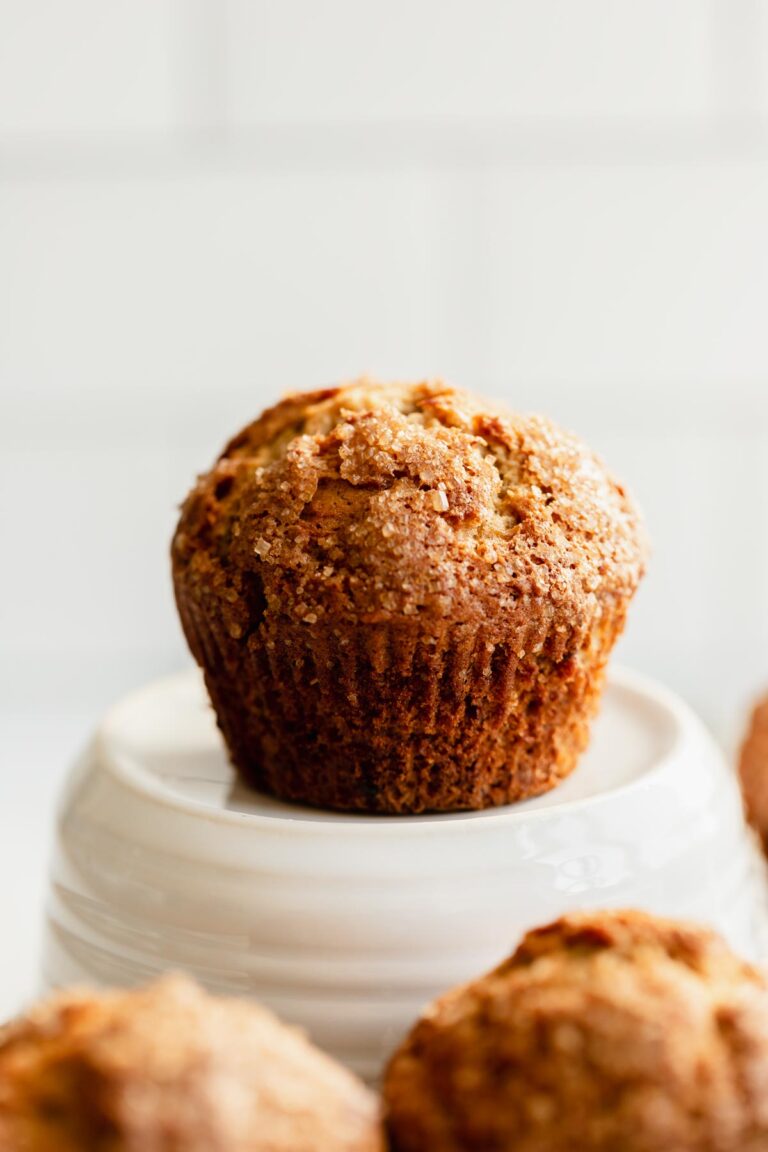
[{"x": 205, "y": 203}]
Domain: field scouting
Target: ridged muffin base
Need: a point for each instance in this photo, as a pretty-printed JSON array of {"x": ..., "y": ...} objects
[{"x": 400, "y": 718}]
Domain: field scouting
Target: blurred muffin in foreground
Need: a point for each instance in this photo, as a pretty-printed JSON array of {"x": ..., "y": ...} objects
[
  {"x": 603, "y": 1032},
  {"x": 170, "y": 1069},
  {"x": 753, "y": 770},
  {"x": 403, "y": 598}
]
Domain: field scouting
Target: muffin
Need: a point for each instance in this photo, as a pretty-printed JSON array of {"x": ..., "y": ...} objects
[
  {"x": 169, "y": 1069},
  {"x": 604, "y": 1032},
  {"x": 403, "y": 598},
  {"x": 753, "y": 770}
]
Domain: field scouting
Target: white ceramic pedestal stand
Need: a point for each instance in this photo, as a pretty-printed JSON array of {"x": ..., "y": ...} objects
[{"x": 347, "y": 925}]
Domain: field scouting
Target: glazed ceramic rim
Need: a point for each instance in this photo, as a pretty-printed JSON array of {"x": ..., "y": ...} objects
[{"x": 678, "y": 720}]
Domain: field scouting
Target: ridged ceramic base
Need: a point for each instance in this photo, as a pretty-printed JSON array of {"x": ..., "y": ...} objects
[{"x": 348, "y": 925}]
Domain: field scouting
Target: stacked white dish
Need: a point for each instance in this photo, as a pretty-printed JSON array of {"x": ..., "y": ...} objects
[{"x": 348, "y": 925}]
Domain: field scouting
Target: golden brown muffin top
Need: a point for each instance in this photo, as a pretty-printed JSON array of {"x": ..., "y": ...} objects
[
  {"x": 381, "y": 501},
  {"x": 753, "y": 769},
  {"x": 169, "y": 1069},
  {"x": 604, "y": 1032}
]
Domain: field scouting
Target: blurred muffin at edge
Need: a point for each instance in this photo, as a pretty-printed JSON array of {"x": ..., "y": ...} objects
[
  {"x": 753, "y": 770},
  {"x": 166, "y": 1068},
  {"x": 403, "y": 598},
  {"x": 603, "y": 1031}
]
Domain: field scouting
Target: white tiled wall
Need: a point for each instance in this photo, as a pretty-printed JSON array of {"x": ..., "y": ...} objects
[
  {"x": 203, "y": 204},
  {"x": 86, "y": 66},
  {"x": 291, "y": 60}
]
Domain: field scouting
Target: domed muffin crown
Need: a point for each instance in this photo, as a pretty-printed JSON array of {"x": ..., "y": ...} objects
[
  {"x": 379, "y": 501},
  {"x": 165, "y": 1068},
  {"x": 603, "y": 1031}
]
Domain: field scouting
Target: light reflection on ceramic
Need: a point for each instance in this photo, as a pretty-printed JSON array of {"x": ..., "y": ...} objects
[{"x": 348, "y": 924}]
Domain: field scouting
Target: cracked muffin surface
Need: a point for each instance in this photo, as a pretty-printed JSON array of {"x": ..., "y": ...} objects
[
  {"x": 169, "y": 1069},
  {"x": 607, "y": 1032},
  {"x": 403, "y": 598}
]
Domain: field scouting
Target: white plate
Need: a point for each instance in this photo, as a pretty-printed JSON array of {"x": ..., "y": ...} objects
[{"x": 348, "y": 924}]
